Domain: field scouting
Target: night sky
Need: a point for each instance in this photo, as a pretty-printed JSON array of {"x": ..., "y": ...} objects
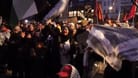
[
  {"x": 43, "y": 6},
  {"x": 5, "y": 9}
]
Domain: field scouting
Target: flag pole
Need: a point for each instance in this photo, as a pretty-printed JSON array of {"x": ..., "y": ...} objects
[
  {"x": 119, "y": 14},
  {"x": 133, "y": 22}
]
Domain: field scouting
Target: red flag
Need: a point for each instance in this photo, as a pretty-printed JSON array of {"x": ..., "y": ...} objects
[
  {"x": 125, "y": 17},
  {"x": 132, "y": 12},
  {"x": 95, "y": 8},
  {"x": 98, "y": 11}
]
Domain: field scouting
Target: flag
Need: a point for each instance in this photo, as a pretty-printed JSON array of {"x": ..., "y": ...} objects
[
  {"x": 36, "y": 9},
  {"x": 98, "y": 11},
  {"x": 125, "y": 17},
  {"x": 58, "y": 9},
  {"x": 95, "y": 8},
  {"x": 18, "y": 10},
  {"x": 24, "y": 8},
  {"x": 135, "y": 2},
  {"x": 114, "y": 44},
  {"x": 132, "y": 12}
]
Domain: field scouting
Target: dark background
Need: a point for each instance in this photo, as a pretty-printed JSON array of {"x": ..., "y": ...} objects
[
  {"x": 43, "y": 6},
  {"x": 5, "y": 9}
]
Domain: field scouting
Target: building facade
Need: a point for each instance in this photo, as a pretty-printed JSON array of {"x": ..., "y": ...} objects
[
  {"x": 115, "y": 7},
  {"x": 111, "y": 7},
  {"x": 80, "y": 7}
]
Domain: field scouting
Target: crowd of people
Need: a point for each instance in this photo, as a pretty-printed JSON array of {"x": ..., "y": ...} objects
[{"x": 40, "y": 50}]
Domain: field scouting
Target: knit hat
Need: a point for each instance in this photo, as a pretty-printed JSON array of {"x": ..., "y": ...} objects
[{"x": 65, "y": 71}]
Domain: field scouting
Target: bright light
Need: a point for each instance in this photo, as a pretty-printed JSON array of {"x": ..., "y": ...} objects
[
  {"x": 75, "y": 12},
  {"x": 82, "y": 11},
  {"x": 92, "y": 10},
  {"x": 26, "y": 21},
  {"x": 110, "y": 7}
]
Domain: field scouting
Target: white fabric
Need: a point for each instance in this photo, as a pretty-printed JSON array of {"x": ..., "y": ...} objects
[
  {"x": 24, "y": 8},
  {"x": 58, "y": 9},
  {"x": 64, "y": 53},
  {"x": 4, "y": 36},
  {"x": 110, "y": 56}
]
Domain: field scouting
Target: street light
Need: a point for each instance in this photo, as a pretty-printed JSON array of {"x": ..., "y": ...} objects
[
  {"x": 110, "y": 8},
  {"x": 26, "y": 21}
]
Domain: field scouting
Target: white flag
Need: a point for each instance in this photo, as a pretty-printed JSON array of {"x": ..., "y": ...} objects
[
  {"x": 114, "y": 44},
  {"x": 58, "y": 9},
  {"x": 24, "y": 8}
]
